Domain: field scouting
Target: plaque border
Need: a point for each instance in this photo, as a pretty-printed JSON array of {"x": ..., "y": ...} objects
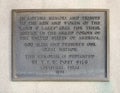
[{"x": 107, "y": 63}]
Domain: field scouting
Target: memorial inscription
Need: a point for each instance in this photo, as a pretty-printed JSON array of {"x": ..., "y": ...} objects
[{"x": 60, "y": 45}]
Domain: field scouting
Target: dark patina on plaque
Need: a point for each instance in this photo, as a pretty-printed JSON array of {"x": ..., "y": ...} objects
[{"x": 60, "y": 44}]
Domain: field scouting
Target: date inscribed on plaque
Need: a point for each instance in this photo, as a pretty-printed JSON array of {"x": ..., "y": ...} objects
[{"x": 59, "y": 44}]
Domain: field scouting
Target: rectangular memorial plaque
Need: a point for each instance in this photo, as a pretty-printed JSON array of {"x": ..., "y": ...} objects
[{"x": 60, "y": 44}]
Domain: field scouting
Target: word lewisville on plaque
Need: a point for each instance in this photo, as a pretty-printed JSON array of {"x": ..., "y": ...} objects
[{"x": 55, "y": 44}]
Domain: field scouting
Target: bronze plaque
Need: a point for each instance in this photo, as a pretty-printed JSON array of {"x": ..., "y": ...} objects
[{"x": 60, "y": 44}]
